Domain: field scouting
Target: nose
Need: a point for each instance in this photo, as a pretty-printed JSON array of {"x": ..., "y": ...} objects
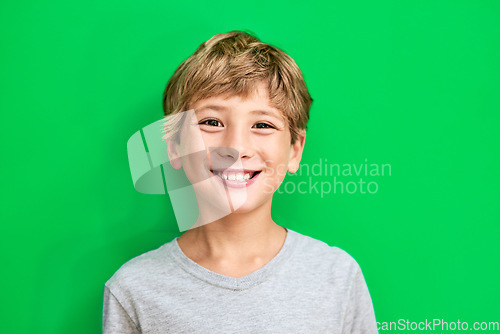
[
  {"x": 227, "y": 152},
  {"x": 237, "y": 143}
]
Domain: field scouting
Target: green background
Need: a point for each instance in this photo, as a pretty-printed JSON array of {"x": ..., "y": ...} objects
[{"x": 413, "y": 84}]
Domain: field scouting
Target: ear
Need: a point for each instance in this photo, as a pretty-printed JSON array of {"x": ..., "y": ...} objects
[
  {"x": 296, "y": 152},
  {"x": 174, "y": 154}
]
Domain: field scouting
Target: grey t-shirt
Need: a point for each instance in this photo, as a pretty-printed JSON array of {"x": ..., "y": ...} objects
[{"x": 308, "y": 287}]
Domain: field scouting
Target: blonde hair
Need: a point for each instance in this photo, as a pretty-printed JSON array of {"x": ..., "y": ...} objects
[{"x": 231, "y": 64}]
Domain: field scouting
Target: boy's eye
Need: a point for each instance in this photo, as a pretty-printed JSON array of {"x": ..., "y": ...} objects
[
  {"x": 211, "y": 122},
  {"x": 264, "y": 126}
]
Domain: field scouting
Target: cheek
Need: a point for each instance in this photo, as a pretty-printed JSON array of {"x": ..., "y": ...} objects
[
  {"x": 192, "y": 141},
  {"x": 281, "y": 171},
  {"x": 208, "y": 140},
  {"x": 277, "y": 164},
  {"x": 192, "y": 149},
  {"x": 194, "y": 161},
  {"x": 279, "y": 152}
]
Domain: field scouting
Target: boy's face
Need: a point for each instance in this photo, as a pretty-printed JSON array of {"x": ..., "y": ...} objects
[{"x": 248, "y": 148}]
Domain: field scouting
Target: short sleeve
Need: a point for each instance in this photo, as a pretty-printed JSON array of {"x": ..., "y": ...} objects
[
  {"x": 115, "y": 319},
  {"x": 360, "y": 316}
]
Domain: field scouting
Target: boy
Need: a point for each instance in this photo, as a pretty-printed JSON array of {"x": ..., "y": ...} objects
[{"x": 236, "y": 270}]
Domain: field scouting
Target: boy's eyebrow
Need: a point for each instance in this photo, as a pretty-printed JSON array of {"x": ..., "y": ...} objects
[
  {"x": 265, "y": 112},
  {"x": 212, "y": 107}
]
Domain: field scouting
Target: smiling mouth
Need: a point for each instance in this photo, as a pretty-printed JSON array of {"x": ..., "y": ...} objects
[{"x": 235, "y": 175}]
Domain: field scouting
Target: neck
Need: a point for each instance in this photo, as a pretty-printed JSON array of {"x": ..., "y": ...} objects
[{"x": 248, "y": 236}]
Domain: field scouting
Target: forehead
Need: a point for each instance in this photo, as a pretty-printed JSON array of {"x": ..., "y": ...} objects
[{"x": 256, "y": 102}]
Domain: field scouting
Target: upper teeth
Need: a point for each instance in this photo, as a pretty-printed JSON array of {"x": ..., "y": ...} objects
[{"x": 232, "y": 176}]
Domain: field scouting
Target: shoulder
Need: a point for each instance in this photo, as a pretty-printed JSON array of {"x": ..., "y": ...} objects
[
  {"x": 331, "y": 260},
  {"x": 141, "y": 269}
]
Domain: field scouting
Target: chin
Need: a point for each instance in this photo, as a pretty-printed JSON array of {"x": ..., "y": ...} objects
[{"x": 249, "y": 206}]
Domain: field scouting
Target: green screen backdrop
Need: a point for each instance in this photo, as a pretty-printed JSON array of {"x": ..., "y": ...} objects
[{"x": 404, "y": 129}]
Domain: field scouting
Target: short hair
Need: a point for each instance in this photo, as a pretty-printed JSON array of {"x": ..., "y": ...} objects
[{"x": 231, "y": 64}]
